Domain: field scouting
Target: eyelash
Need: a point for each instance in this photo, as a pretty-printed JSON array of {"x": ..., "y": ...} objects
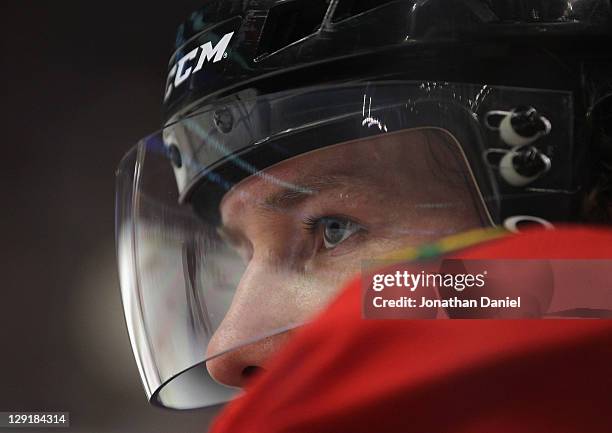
[{"x": 312, "y": 224}]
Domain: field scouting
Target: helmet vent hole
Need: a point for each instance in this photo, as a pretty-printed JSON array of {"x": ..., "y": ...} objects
[
  {"x": 350, "y": 8},
  {"x": 289, "y": 22}
]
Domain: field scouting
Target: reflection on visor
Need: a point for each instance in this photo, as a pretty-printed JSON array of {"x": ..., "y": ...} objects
[{"x": 281, "y": 199}]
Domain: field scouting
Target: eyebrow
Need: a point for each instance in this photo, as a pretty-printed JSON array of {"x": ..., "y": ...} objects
[{"x": 307, "y": 187}]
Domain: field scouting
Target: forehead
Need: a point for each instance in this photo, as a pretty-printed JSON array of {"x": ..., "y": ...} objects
[{"x": 374, "y": 162}]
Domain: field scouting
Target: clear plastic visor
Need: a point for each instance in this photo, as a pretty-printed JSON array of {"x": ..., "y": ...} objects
[{"x": 211, "y": 262}]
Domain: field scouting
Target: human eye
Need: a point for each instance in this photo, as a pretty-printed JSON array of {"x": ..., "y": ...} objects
[{"x": 333, "y": 230}]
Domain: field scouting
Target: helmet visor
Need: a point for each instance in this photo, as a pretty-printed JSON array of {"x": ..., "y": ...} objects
[{"x": 241, "y": 221}]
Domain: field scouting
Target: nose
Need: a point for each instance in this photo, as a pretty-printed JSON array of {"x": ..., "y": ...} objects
[
  {"x": 251, "y": 332},
  {"x": 237, "y": 367}
]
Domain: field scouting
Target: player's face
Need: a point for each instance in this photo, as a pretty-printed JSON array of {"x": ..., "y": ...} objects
[{"x": 305, "y": 225}]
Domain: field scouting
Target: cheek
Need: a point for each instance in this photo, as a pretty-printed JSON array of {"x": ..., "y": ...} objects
[
  {"x": 315, "y": 288},
  {"x": 271, "y": 296},
  {"x": 331, "y": 272}
]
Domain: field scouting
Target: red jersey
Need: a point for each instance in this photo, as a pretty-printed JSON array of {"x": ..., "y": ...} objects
[{"x": 342, "y": 373}]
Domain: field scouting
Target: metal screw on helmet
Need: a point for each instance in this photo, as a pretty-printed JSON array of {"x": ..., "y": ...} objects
[
  {"x": 530, "y": 162},
  {"x": 520, "y": 167},
  {"x": 523, "y": 126},
  {"x": 224, "y": 121},
  {"x": 519, "y": 127},
  {"x": 174, "y": 155},
  {"x": 527, "y": 122}
]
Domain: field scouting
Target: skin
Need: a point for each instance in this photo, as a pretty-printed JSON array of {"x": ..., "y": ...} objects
[{"x": 380, "y": 194}]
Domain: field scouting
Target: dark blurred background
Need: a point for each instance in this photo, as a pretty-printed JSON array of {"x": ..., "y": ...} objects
[{"x": 81, "y": 82}]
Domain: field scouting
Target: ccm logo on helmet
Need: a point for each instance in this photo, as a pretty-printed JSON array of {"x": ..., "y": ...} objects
[{"x": 184, "y": 68}]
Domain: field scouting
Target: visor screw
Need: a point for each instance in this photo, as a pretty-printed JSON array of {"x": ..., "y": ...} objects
[
  {"x": 224, "y": 121},
  {"x": 526, "y": 122},
  {"x": 174, "y": 154}
]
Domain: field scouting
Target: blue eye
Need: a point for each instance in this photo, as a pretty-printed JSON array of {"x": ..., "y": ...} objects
[{"x": 337, "y": 230}]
